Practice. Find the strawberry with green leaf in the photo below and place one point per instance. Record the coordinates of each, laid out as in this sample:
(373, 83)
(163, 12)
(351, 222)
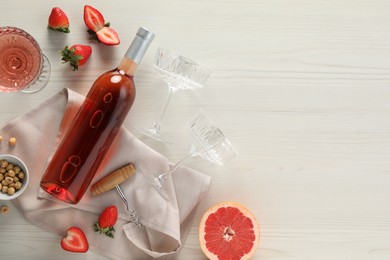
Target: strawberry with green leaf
(77, 55)
(58, 20)
(107, 220)
(98, 28)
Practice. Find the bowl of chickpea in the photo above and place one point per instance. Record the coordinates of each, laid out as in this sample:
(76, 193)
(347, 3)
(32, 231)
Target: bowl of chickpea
(13, 177)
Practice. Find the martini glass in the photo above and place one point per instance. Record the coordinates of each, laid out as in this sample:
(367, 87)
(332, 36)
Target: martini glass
(179, 73)
(207, 141)
(23, 67)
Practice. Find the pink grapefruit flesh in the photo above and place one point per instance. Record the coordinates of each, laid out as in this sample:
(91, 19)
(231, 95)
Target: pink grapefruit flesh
(229, 231)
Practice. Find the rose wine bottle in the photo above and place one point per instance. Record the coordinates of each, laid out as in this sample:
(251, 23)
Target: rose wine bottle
(95, 126)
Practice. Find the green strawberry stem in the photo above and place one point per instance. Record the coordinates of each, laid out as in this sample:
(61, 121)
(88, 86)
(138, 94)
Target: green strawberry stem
(69, 55)
(60, 29)
(108, 231)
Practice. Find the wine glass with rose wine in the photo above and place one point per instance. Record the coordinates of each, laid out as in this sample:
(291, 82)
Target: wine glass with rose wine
(23, 67)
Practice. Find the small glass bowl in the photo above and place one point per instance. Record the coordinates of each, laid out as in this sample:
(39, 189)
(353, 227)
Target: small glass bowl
(17, 162)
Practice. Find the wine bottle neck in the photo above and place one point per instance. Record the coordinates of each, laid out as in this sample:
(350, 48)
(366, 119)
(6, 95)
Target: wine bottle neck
(128, 66)
(136, 51)
(139, 45)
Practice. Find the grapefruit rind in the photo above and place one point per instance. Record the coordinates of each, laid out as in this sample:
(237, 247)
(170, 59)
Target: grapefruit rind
(228, 232)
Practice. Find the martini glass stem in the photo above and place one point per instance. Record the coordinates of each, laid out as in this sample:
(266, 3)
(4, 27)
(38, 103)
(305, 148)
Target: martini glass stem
(158, 122)
(162, 177)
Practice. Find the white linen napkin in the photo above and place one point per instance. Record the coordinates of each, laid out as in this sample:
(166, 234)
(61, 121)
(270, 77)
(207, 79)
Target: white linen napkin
(165, 223)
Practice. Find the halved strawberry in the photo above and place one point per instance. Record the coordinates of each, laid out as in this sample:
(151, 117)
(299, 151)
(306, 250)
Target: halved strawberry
(108, 36)
(98, 28)
(75, 241)
(58, 20)
(107, 220)
(93, 19)
(77, 55)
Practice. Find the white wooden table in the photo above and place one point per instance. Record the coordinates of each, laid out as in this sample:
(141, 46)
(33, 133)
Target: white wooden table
(301, 88)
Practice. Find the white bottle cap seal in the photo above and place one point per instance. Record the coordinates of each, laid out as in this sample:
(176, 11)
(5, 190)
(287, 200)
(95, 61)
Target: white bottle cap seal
(140, 45)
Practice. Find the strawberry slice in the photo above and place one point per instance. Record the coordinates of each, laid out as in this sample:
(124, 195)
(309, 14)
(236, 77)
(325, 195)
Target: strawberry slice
(98, 28)
(58, 20)
(108, 36)
(75, 241)
(93, 19)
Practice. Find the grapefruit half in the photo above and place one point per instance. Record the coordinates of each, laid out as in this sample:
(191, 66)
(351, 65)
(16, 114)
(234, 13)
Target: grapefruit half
(229, 231)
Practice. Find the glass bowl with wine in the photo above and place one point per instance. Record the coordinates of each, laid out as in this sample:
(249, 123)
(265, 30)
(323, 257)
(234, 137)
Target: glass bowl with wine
(23, 66)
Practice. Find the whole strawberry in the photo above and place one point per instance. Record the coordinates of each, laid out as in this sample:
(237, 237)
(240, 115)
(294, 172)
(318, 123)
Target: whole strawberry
(106, 222)
(58, 20)
(77, 55)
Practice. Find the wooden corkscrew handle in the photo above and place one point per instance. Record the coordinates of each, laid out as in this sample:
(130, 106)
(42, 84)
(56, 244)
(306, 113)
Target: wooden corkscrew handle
(113, 179)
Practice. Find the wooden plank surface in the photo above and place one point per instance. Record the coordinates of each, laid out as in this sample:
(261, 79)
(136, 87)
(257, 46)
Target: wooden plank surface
(301, 88)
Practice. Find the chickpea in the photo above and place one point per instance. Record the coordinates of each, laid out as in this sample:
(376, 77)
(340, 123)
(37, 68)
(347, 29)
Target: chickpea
(9, 180)
(1, 177)
(18, 185)
(4, 189)
(1, 138)
(12, 141)
(17, 169)
(16, 179)
(10, 166)
(1, 186)
(11, 173)
(4, 210)
(21, 175)
(3, 164)
(11, 191)
(4, 182)
(2, 170)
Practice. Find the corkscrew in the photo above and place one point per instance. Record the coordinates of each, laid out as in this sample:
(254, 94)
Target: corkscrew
(113, 180)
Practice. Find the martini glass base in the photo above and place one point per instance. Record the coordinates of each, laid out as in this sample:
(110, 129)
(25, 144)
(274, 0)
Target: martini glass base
(43, 79)
(157, 183)
(153, 133)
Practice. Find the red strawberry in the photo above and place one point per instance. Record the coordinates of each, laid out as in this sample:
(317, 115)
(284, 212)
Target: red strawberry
(77, 55)
(107, 220)
(93, 18)
(97, 27)
(75, 241)
(58, 20)
(108, 36)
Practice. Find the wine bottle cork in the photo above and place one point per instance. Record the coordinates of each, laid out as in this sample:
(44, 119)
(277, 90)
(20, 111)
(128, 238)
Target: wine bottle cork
(113, 179)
